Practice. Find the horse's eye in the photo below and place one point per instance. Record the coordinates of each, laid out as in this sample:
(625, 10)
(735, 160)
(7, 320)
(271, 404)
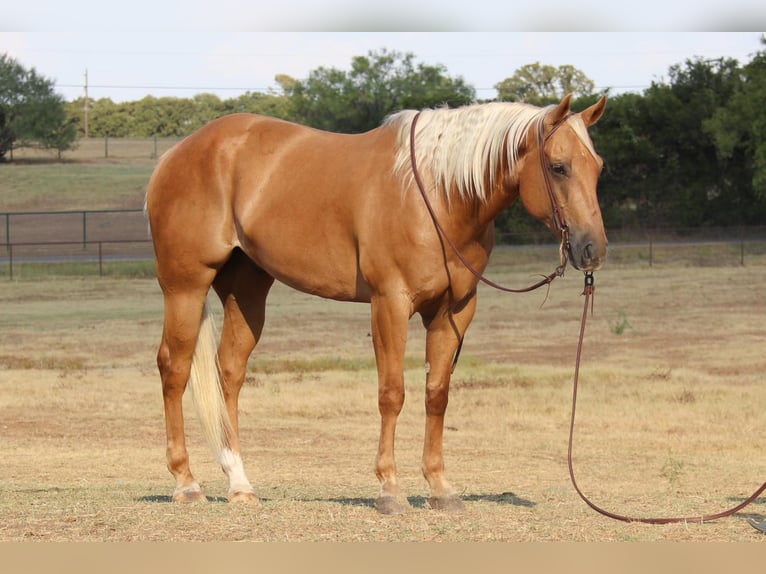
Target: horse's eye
(559, 169)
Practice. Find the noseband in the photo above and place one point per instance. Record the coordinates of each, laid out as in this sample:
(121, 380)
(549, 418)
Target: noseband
(557, 213)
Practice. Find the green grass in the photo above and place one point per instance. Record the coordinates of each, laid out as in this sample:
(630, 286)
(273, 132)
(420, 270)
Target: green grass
(38, 271)
(621, 324)
(67, 186)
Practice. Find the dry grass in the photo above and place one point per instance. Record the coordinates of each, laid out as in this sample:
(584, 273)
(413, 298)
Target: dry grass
(670, 419)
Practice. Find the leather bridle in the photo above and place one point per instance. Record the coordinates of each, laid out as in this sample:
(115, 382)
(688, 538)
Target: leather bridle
(557, 214)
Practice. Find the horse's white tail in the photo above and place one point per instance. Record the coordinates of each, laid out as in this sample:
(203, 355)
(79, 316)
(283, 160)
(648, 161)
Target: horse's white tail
(205, 386)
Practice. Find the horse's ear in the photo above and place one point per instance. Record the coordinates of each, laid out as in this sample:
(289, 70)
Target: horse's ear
(592, 114)
(555, 115)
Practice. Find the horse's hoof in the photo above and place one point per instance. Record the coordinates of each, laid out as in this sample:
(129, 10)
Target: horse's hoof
(760, 526)
(246, 497)
(451, 503)
(191, 494)
(392, 505)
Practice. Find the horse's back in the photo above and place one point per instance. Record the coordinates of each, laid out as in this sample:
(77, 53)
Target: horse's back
(295, 199)
(228, 161)
(240, 151)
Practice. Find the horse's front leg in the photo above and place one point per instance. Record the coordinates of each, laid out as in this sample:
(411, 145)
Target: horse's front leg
(445, 332)
(390, 317)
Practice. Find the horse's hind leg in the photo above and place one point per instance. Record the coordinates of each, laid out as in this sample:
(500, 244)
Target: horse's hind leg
(183, 315)
(242, 288)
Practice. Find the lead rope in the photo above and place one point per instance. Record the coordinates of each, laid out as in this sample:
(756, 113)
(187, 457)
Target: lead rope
(589, 296)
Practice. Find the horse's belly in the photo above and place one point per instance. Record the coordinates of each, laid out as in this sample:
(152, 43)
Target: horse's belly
(305, 233)
(310, 266)
(324, 284)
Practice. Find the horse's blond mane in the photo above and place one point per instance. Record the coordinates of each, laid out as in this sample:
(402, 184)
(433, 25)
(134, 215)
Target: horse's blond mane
(463, 148)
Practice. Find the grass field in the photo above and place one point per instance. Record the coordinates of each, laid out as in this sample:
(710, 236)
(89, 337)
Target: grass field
(670, 418)
(58, 187)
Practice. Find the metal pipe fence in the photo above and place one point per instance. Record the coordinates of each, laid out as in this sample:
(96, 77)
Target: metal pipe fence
(73, 225)
(75, 258)
(97, 148)
(90, 242)
(657, 246)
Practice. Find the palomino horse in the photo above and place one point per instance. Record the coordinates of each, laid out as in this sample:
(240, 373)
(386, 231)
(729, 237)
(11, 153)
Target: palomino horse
(248, 199)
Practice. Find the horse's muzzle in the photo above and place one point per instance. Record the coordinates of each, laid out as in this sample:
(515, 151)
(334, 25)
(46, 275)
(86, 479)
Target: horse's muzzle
(587, 254)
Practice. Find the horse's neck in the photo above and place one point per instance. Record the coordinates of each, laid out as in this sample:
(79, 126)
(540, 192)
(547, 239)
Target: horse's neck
(472, 220)
(501, 198)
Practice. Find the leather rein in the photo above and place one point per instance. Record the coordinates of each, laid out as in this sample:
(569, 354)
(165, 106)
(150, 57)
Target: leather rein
(588, 291)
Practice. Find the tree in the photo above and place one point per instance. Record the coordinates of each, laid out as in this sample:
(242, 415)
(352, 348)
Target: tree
(6, 133)
(691, 187)
(107, 118)
(661, 164)
(543, 84)
(168, 116)
(31, 114)
(269, 104)
(377, 85)
(739, 132)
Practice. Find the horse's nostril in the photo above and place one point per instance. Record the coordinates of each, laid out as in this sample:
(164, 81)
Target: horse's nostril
(588, 252)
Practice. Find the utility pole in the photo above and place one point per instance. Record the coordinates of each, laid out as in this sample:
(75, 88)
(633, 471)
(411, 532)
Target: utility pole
(85, 108)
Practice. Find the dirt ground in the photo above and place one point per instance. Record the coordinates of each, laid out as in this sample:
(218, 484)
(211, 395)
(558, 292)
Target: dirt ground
(670, 419)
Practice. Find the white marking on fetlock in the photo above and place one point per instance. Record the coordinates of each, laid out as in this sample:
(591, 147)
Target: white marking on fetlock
(235, 470)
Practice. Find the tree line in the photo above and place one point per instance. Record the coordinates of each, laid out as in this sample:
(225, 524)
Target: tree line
(689, 151)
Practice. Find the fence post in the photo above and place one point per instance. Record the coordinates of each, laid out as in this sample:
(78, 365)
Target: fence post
(154, 152)
(742, 247)
(7, 230)
(106, 146)
(742, 252)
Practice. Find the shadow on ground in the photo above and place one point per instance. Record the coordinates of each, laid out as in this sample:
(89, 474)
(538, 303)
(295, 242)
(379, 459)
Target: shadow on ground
(506, 498)
(163, 499)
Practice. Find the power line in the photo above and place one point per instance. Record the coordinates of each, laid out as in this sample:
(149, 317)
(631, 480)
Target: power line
(262, 89)
(137, 87)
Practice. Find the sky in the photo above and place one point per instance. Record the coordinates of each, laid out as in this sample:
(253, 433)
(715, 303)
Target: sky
(155, 48)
